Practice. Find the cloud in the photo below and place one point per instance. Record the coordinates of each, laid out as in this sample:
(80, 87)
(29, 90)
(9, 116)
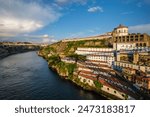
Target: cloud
(7, 35)
(95, 9)
(143, 28)
(64, 2)
(38, 38)
(18, 16)
(48, 39)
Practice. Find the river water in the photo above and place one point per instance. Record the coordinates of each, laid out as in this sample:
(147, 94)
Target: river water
(26, 76)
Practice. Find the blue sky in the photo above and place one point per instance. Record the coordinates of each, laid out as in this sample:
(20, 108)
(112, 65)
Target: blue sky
(51, 20)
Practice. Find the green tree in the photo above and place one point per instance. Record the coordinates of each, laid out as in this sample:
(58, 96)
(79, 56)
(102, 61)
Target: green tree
(77, 57)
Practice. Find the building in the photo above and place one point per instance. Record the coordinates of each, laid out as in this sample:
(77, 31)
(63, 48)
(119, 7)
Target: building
(98, 54)
(129, 58)
(131, 42)
(120, 31)
(88, 73)
(99, 37)
(143, 83)
(68, 60)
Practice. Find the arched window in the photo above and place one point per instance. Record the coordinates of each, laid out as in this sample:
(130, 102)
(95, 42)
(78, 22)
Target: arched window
(140, 44)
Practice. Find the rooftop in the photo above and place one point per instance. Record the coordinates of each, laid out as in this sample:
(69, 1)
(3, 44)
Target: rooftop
(122, 26)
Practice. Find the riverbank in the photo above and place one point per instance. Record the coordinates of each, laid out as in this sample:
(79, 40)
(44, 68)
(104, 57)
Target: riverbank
(78, 82)
(86, 87)
(7, 50)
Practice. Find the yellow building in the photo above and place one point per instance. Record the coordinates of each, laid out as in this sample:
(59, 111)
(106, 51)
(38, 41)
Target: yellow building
(131, 41)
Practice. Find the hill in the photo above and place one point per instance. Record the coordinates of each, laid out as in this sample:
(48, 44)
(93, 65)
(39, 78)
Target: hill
(66, 48)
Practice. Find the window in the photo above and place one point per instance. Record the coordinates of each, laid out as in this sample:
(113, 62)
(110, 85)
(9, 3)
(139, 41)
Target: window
(141, 35)
(141, 44)
(131, 39)
(136, 39)
(122, 95)
(141, 39)
(115, 92)
(107, 88)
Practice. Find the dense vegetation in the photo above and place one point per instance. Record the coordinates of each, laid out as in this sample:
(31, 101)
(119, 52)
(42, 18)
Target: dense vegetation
(54, 52)
(66, 48)
(65, 69)
(98, 84)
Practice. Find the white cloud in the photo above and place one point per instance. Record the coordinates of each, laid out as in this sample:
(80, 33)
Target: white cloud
(53, 40)
(7, 35)
(63, 2)
(17, 16)
(95, 9)
(143, 28)
(45, 36)
(48, 39)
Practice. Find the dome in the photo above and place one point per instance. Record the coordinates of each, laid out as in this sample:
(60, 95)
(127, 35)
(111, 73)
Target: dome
(122, 26)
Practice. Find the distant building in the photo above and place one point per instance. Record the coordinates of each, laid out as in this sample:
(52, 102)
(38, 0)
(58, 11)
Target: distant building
(99, 37)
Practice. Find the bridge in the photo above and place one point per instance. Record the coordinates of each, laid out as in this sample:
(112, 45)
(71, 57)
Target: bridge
(9, 48)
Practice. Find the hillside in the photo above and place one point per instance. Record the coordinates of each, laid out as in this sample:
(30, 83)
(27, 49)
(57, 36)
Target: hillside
(67, 48)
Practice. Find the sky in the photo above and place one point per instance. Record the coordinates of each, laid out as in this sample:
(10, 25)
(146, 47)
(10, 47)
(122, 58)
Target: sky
(45, 21)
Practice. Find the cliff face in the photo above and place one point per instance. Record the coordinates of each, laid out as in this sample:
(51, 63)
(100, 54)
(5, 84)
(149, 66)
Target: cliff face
(6, 50)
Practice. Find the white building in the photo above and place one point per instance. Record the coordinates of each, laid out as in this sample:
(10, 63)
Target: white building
(101, 58)
(98, 54)
(120, 31)
(96, 51)
(124, 46)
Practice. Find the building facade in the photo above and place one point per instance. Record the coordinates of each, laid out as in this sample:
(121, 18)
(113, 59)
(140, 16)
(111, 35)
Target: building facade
(98, 54)
(120, 31)
(131, 42)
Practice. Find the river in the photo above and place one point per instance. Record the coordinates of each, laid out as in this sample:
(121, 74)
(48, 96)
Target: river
(26, 76)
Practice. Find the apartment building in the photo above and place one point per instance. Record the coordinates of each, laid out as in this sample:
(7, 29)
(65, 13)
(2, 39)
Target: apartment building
(98, 54)
(88, 73)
